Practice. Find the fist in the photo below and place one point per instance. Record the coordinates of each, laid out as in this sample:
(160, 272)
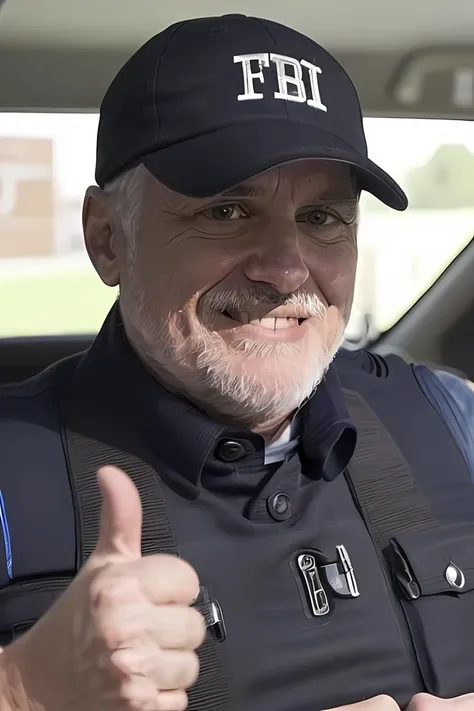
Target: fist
(123, 636)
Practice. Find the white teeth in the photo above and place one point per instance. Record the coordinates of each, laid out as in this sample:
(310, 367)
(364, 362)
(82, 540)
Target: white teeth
(272, 323)
(275, 323)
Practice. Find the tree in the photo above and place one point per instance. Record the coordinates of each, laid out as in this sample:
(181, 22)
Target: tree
(445, 182)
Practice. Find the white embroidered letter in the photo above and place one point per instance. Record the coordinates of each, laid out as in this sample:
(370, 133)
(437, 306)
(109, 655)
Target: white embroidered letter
(288, 81)
(314, 71)
(250, 76)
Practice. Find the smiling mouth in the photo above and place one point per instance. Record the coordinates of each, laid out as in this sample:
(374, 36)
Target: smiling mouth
(271, 323)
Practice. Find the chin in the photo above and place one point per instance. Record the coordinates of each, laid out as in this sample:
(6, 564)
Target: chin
(252, 382)
(244, 380)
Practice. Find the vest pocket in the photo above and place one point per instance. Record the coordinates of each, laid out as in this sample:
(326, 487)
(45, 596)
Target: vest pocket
(22, 603)
(434, 576)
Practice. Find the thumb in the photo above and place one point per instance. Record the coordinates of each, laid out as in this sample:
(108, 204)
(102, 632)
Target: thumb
(121, 516)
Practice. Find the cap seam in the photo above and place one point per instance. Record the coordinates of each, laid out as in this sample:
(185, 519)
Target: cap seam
(353, 88)
(331, 55)
(155, 75)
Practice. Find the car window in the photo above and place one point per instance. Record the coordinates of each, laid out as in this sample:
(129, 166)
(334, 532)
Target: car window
(48, 287)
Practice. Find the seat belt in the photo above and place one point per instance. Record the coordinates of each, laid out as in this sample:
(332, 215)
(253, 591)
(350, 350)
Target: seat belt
(390, 500)
(88, 452)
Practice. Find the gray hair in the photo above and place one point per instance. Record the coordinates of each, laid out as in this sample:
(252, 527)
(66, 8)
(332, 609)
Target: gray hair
(126, 192)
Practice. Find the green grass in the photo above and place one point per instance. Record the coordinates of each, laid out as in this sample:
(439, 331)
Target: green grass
(68, 302)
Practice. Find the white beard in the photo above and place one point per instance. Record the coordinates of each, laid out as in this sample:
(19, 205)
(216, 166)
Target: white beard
(248, 382)
(232, 382)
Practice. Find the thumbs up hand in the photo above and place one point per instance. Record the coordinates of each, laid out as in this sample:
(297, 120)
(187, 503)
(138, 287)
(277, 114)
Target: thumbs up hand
(123, 635)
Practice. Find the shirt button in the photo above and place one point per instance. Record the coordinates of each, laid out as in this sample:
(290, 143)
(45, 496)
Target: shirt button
(454, 576)
(279, 506)
(230, 450)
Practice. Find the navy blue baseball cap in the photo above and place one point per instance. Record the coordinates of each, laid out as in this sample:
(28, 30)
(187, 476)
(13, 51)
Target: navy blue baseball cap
(211, 102)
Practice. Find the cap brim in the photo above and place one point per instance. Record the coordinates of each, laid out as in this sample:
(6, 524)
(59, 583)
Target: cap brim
(212, 163)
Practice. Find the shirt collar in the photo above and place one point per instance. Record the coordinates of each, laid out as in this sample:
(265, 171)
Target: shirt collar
(328, 435)
(185, 438)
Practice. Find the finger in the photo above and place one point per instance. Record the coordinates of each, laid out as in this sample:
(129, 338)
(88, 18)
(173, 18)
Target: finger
(137, 692)
(169, 670)
(175, 670)
(166, 579)
(141, 693)
(167, 626)
(172, 701)
(121, 515)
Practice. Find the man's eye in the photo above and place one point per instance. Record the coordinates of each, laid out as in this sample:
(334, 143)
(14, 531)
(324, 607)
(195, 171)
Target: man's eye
(225, 213)
(320, 218)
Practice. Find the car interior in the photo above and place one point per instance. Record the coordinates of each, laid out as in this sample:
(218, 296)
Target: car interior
(413, 66)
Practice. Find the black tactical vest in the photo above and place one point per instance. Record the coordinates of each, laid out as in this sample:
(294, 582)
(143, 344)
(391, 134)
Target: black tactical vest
(407, 481)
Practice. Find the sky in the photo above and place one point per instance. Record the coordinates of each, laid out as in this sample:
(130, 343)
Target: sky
(395, 144)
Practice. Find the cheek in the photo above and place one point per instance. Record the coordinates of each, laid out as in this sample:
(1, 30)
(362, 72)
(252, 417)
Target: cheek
(334, 274)
(190, 271)
(165, 280)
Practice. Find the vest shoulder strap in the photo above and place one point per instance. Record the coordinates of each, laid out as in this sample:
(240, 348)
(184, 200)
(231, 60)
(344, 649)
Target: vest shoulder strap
(91, 434)
(390, 499)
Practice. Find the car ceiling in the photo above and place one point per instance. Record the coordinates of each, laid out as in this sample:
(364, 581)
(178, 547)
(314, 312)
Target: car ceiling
(60, 55)
(121, 24)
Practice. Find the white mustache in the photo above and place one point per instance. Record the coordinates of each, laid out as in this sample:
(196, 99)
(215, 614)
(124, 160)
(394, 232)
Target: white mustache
(303, 304)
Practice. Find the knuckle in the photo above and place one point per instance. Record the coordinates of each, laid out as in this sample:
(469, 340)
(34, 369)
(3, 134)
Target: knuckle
(172, 701)
(196, 628)
(139, 693)
(180, 628)
(179, 670)
(109, 632)
(125, 661)
(116, 627)
(109, 591)
(184, 576)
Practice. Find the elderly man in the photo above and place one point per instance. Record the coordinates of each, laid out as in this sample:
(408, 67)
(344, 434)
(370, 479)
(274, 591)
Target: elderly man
(303, 521)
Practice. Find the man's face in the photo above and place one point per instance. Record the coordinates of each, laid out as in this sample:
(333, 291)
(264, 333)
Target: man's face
(240, 301)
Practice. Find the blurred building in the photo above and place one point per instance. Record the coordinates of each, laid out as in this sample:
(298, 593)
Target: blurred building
(26, 197)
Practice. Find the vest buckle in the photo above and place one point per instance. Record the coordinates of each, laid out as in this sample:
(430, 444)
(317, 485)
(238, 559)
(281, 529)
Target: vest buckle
(402, 572)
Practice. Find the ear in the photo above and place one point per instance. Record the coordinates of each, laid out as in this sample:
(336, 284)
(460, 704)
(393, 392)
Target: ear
(100, 235)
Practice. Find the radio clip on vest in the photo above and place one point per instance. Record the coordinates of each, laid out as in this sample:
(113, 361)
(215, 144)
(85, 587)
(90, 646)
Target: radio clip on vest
(210, 609)
(319, 576)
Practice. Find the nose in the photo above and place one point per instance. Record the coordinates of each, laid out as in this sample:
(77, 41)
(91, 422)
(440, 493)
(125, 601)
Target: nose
(277, 260)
